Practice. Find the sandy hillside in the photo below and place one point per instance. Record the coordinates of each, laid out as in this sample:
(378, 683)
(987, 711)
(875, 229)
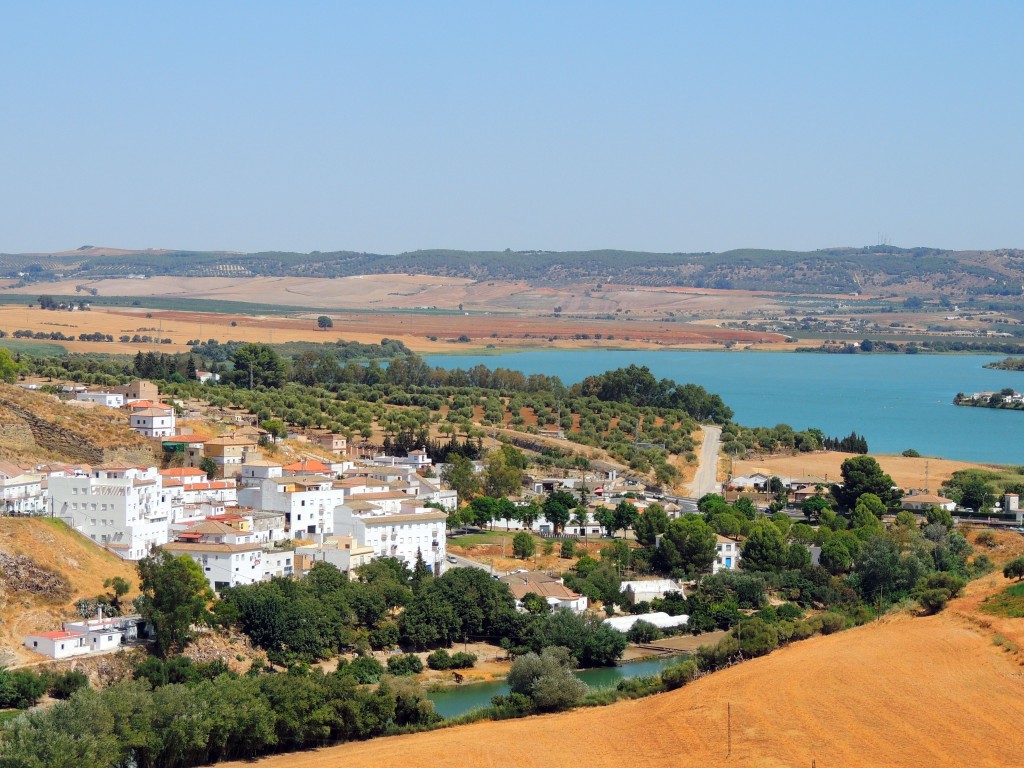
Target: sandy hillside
(906, 472)
(78, 563)
(902, 692)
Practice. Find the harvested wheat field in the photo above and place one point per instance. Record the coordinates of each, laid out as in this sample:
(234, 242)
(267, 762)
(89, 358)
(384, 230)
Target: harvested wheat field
(901, 692)
(905, 471)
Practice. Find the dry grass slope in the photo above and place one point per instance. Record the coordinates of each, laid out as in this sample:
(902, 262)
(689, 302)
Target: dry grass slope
(904, 691)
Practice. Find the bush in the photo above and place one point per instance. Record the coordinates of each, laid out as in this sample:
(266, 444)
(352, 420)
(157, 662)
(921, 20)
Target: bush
(440, 659)
(365, 669)
(523, 545)
(933, 600)
(513, 705)
(642, 632)
(679, 675)
(62, 686)
(547, 679)
(1014, 569)
(831, 622)
(384, 636)
(462, 660)
(405, 664)
(568, 549)
(789, 612)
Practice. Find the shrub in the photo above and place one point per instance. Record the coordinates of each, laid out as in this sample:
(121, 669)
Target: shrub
(568, 549)
(679, 675)
(986, 539)
(462, 660)
(789, 612)
(405, 664)
(365, 669)
(523, 545)
(547, 679)
(933, 600)
(643, 632)
(62, 686)
(831, 622)
(384, 636)
(439, 659)
(513, 705)
(1014, 569)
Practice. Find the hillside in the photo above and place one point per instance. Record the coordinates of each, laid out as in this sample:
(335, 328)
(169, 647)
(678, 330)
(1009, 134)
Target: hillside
(44, 568)
(904, 691)
(38, 427)
(877, 269)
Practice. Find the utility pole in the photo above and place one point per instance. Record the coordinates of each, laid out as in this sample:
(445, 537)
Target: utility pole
(729, 710)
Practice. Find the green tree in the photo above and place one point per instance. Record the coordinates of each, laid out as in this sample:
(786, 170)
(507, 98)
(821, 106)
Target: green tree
(863, 474)
(689, 546)
(652, 523)
(870, 503)
(523, 545)
(568, 549)
(258, 365)
(175, 596)
(547, 679)
(324, 322)
(9, 368)
(460, 476)
(119, 587)
(276, 427)
(765, 548)
(209, 466)
(503, 472)
(835, 557)
(813, 507)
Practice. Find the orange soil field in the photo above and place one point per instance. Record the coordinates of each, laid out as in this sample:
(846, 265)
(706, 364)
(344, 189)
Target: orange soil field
(414, 330)
(901, 692)
(906, 472)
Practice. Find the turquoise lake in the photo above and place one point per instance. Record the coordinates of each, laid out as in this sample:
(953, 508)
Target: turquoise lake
(896, 401)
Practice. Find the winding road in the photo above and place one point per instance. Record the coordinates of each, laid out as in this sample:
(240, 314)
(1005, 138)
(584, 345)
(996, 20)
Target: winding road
(706, 479)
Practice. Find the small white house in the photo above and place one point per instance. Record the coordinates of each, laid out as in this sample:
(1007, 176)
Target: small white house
(727, 555)
(153, 422)
(59, 645)
(108, 399)
(922, 502)
(659, 619)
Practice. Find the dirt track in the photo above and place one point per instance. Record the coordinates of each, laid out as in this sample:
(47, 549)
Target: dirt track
(902, 692)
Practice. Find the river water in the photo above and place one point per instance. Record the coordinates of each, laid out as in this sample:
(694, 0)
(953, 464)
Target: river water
(459, 699)
(896, 401)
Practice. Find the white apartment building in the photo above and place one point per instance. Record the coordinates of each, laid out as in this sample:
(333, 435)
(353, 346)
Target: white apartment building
(414, 528)
(230, 557)
(153, 422)
(256, 471)
(343, 552)
(125, 509)
(21, 493)
(307, 502)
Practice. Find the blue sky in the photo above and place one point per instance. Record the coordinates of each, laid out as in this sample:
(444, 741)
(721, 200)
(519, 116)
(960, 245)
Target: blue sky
(385, 126)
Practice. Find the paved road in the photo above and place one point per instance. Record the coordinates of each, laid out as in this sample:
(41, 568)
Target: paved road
(706, 479)
(465, 562)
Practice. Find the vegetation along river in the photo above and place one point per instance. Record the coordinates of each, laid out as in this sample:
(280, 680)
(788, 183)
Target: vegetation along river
(457, 700)
(896, 401)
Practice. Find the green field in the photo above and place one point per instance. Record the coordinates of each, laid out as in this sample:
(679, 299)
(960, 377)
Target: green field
(34, 348)
(1009, 603)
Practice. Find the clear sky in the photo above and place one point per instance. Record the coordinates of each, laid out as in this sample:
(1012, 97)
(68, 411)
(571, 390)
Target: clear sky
(382, 126)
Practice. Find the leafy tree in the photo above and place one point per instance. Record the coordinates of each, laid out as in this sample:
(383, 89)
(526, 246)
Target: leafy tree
(276, 427)
(209, 466)
(405, 664)
(835, 557)
(324, 322)
(869, 502)
(605, 517)
(547, 679)
(119, 586)
(535, 604)
(503, 472)
(258, 365)
(814, 506)
(567, 549)
(649, 525)
(939, 516)
(689, 545)
(1014, 569)
(557, 509)
(175, 595)
(862, 474)
(9, 367)
(523, 545)
(764, 549)
(460, 476)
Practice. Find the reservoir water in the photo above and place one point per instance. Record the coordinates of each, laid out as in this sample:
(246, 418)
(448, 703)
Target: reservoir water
(457, 700)
(896, 401)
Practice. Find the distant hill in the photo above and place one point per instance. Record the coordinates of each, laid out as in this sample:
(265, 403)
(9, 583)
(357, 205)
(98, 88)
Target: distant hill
(875, 270)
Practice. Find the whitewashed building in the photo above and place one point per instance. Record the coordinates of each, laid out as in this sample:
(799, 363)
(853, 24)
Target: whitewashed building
(108, 399)
(125, 509)
(727, 555)
(412, 529)
(308, 502)
(153, 422)
(230, 557)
